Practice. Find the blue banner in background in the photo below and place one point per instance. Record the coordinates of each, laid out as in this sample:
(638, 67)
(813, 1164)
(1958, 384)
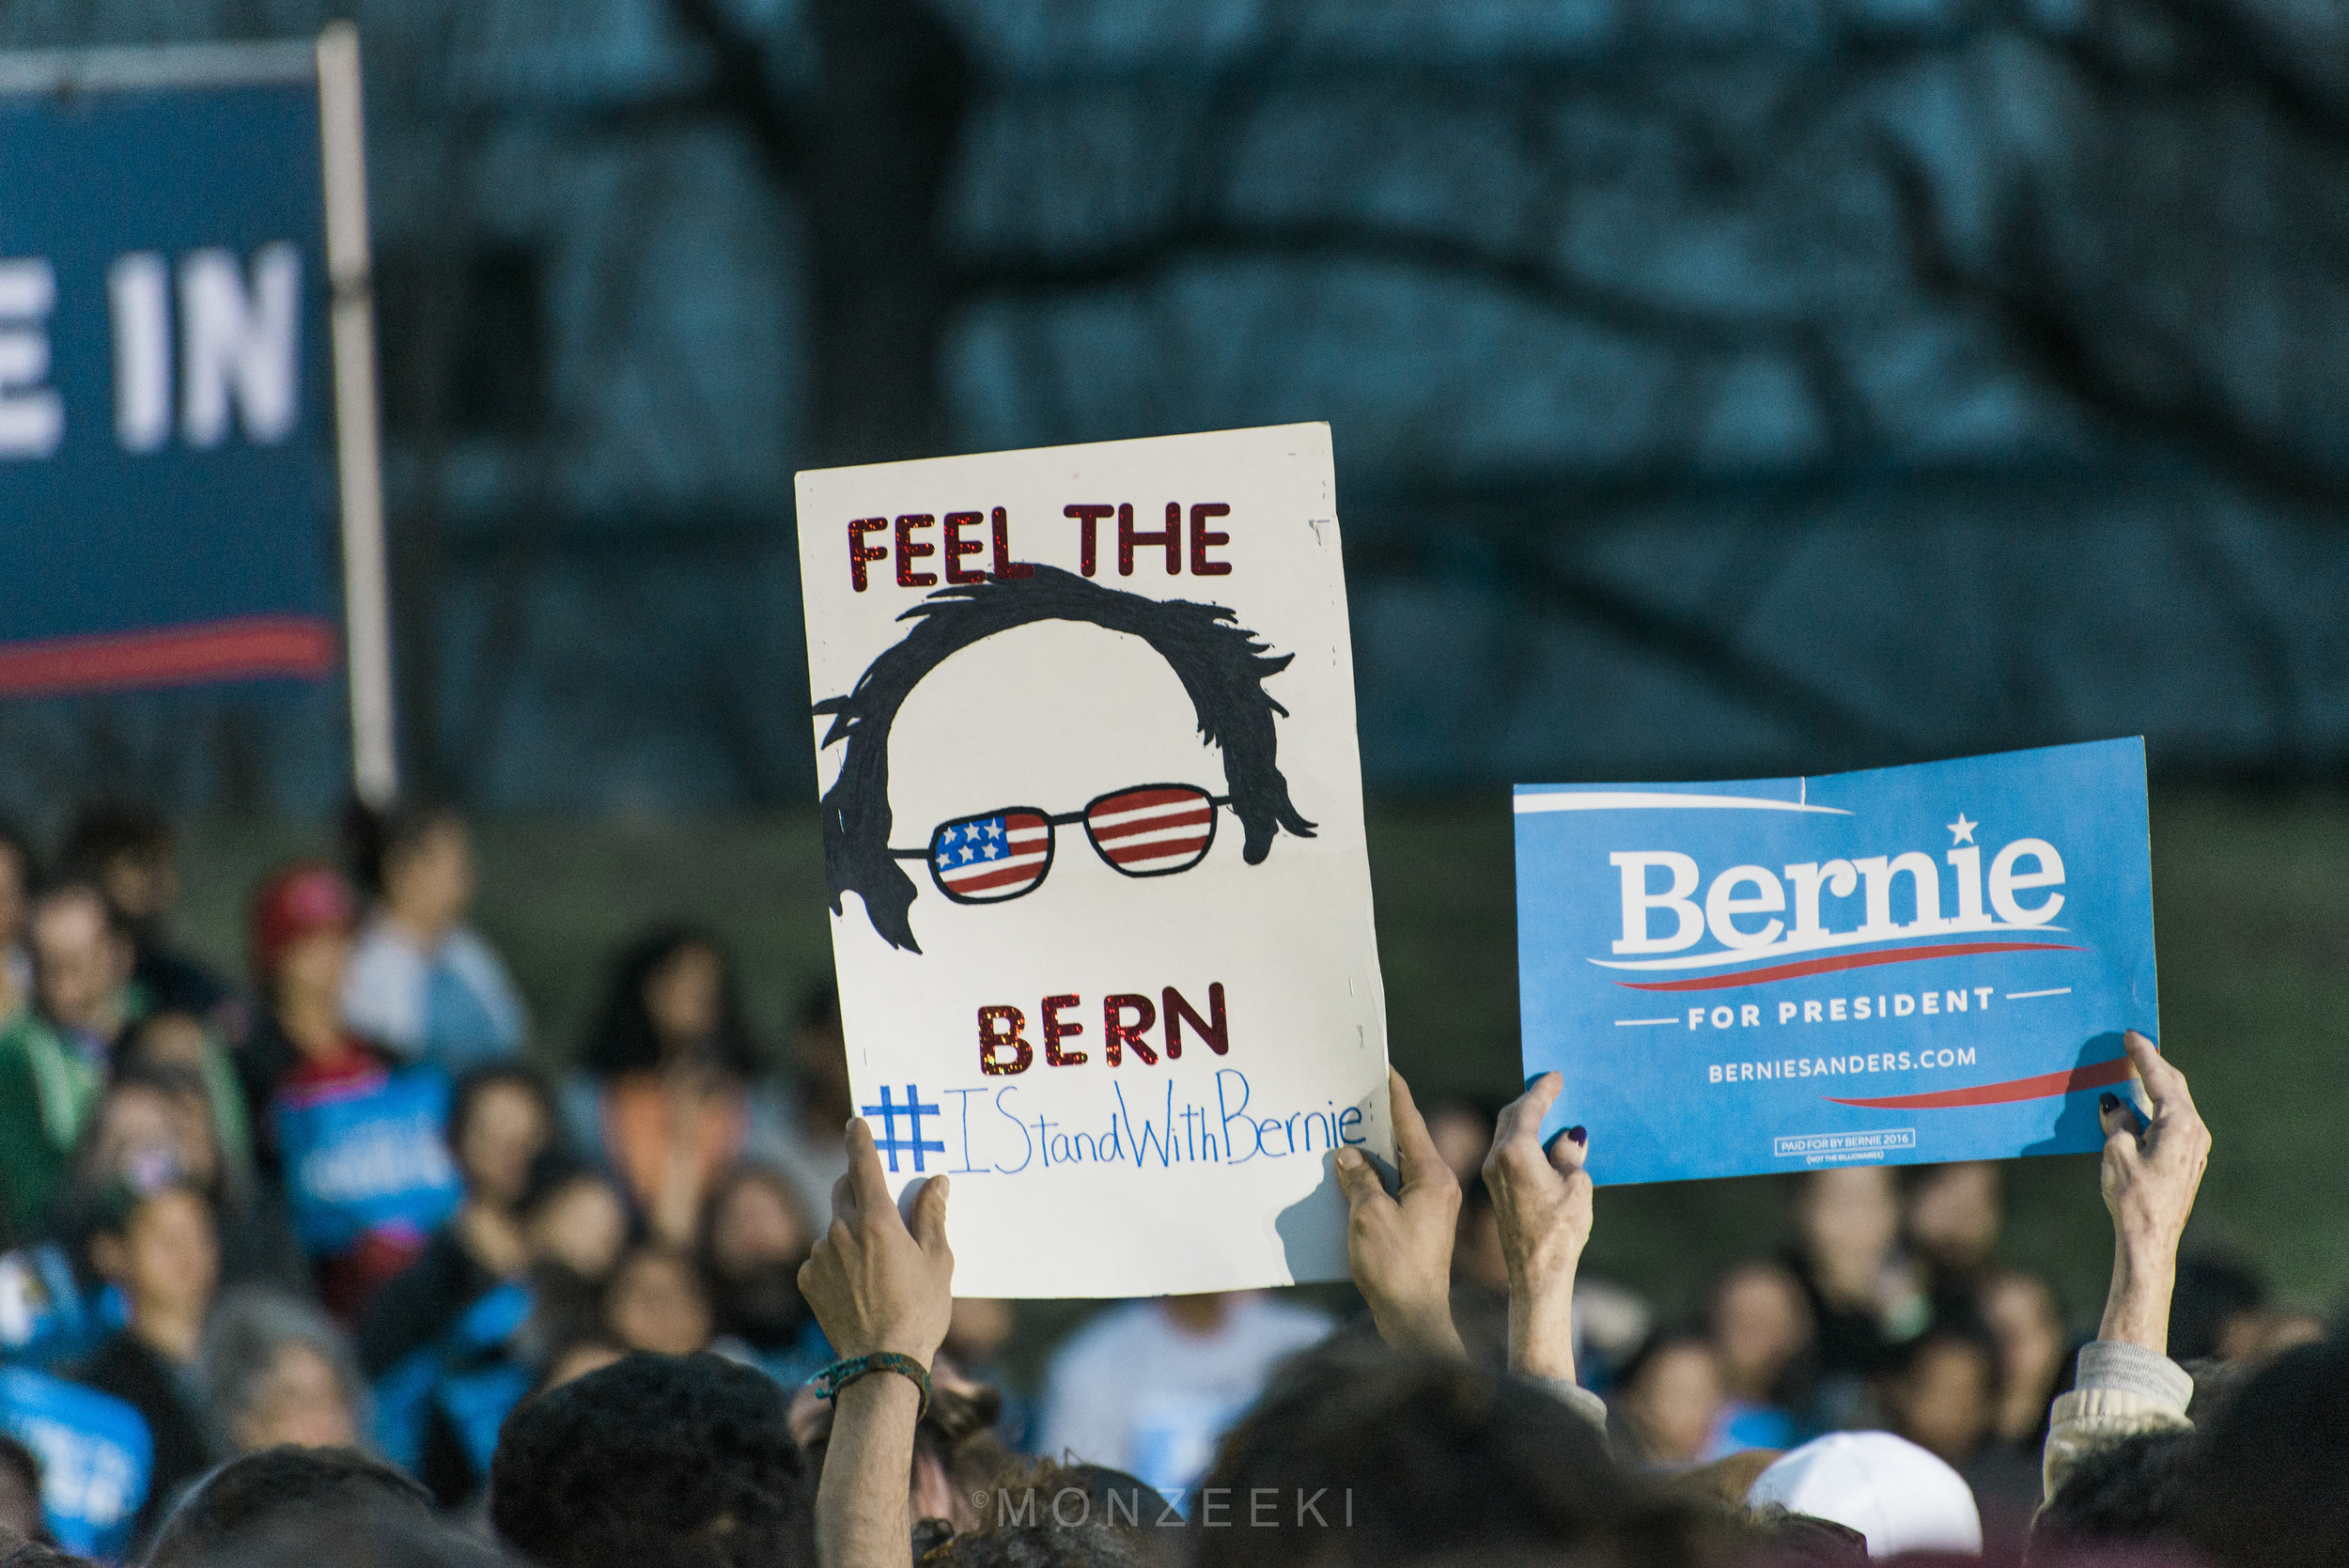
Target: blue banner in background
(366, 1155)
(168, 500)
(96, 1458)
(1908, 966)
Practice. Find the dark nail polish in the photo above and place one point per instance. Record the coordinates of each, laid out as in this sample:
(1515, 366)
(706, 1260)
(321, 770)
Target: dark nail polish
(1579, 1135)
(2108, 1103)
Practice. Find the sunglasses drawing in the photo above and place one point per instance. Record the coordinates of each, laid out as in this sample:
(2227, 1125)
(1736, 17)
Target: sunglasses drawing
(1143, 830)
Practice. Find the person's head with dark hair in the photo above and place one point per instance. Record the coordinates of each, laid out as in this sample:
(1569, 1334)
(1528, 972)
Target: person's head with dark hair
(249, 1497)
(657, 1300)
(153, 1124)
(673, 1001)
(129, 853)
(687, 1462)
(1783, 1540)
(2129, 1490)
(572, 1214)
(1951, 1214)
(2216, 1307)
(299, 926)
(1669, 1396)
(1439, 1459)
(1763, 1326)
(82, 959)
(753, 1235)
(500, 1118)
(2268, 1486)
(168, 1037)
(374, 1536)
(20, 1492)
(1222, 668)
(161, 1247)
(1941, 1390)
(574, 1226)
(1050, 1515)
(415, 860)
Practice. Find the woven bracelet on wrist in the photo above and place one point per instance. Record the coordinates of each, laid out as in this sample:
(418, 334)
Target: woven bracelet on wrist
(829, 1382)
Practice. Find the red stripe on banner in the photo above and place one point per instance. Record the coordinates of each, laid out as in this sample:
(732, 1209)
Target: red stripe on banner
(1842, 961)
(244, 648)
(2096, 1074)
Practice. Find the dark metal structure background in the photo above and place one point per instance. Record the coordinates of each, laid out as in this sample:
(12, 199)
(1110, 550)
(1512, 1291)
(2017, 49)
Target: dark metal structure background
(1717, 389)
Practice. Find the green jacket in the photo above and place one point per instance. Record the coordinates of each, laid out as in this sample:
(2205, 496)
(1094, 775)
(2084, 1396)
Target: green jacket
(47, 1093)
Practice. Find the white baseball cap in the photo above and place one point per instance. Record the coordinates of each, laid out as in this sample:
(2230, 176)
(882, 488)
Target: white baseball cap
(1901, 1496)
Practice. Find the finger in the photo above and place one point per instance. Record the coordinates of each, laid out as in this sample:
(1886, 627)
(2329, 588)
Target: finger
(1358, 1181)
(845, 1203)
(1522, 1116)
(1569, 1151)
(1414, 1150)
(929, 1216)
(865, 1170)
(2165, 1086)
(2120, 1125)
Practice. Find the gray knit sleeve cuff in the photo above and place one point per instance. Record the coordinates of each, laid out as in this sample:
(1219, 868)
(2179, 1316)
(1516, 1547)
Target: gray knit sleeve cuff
(1575, 1397)
(2133, 1369)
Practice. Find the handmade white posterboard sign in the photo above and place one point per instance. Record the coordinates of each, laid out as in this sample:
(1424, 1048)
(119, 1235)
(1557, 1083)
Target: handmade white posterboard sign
(1092, 826)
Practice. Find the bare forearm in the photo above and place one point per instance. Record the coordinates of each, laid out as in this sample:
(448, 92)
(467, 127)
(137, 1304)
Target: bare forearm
(860, 1511)
(1541, 1326)
(2136, 1307)
(1422, 1326)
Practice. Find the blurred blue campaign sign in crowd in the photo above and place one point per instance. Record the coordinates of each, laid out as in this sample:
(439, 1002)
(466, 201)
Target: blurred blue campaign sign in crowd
(1716, 390)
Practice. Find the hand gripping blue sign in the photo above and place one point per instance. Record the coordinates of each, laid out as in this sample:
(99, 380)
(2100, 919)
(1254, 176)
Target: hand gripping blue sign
(1903, 966)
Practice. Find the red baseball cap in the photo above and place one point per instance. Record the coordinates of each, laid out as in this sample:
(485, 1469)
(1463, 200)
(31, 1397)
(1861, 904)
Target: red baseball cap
(296, 900)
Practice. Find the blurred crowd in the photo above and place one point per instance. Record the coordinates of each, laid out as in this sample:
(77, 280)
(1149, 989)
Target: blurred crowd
(332, 1203)
(328, 1202)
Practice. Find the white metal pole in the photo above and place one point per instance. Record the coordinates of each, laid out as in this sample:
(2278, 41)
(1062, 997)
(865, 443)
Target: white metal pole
(367, 608)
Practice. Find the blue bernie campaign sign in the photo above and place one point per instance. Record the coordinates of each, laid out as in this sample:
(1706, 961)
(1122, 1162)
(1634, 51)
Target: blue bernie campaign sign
(1903, 966)
(366, 1156)
(96, 1458)
(167, 471)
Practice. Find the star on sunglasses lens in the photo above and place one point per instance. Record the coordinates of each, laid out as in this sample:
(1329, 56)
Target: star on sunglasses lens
(980, 860)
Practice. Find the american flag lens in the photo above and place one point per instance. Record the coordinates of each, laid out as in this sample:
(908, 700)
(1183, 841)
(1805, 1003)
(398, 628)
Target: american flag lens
(1153, 831)
(980, 860)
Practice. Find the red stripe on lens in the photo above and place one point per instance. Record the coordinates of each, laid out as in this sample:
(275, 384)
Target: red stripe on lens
(993, 881)
(1165, 850)
(1156, 822)
(1135, 799)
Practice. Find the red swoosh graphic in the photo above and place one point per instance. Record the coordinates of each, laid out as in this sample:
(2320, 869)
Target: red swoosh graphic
(242, 648)
(1842, 961)
(2094, 1076)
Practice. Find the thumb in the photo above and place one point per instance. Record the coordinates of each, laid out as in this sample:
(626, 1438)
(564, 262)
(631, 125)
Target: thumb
(1356, 1179)
(929, 1214)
